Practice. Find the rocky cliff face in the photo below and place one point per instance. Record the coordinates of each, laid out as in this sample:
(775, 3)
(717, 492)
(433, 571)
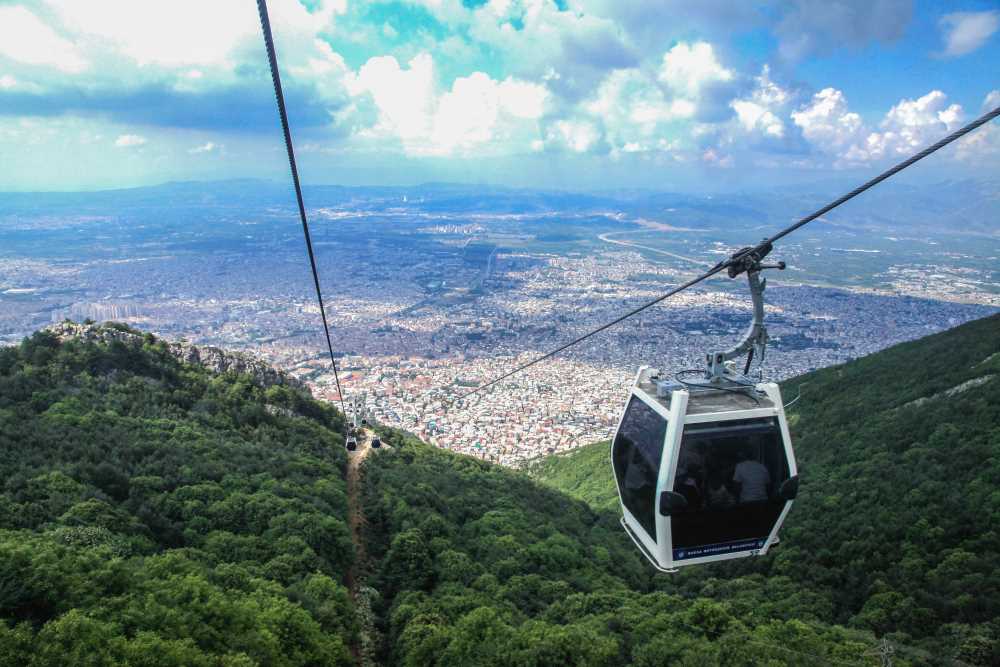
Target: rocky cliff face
(212, 358)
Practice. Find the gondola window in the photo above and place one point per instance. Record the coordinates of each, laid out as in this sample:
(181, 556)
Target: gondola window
(637, 452)
(730, 474)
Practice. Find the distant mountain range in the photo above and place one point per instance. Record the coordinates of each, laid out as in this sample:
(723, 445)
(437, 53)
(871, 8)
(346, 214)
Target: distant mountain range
(967, 206)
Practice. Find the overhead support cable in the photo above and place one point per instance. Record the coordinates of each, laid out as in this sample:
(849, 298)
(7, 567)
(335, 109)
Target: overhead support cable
(272, 57)
(738, 261)
(680, 288)
(889, 173)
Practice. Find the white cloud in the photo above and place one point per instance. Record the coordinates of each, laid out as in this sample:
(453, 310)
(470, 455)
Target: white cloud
(207, 147)
(633, 110)
(466, 114)
(25, 38)
(189, 32)
(693, 73)
(404, 97)
(756, 118)
(322, 63)
(478, 110)
(828, 124)
(964, 32)
(631, 97)
(983, 143)
(475, 112)
(768, 92)
(757, 113)
(522, 99)
(129, 141)
(578, 136)
(149, 33)
(581, 45)
(688, 68)
(914, 124)
(909, 126)
(126, 52)
(7, 82)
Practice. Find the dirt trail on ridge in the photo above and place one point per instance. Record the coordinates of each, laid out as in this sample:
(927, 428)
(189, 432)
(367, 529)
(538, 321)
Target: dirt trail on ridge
(355, 508)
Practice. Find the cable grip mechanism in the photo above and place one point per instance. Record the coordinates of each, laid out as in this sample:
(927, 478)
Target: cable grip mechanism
(746, 260)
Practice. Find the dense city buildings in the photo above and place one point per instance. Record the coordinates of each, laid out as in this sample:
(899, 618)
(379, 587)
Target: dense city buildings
(425, 306)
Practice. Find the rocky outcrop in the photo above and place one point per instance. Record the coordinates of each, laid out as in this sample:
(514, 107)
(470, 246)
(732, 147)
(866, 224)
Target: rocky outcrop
(213, 358)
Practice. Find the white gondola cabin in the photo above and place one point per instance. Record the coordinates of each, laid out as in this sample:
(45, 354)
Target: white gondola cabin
(704, 474)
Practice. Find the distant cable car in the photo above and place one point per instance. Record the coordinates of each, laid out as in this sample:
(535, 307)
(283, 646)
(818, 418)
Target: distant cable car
(705, 467)
(351, 443)
(376, 442)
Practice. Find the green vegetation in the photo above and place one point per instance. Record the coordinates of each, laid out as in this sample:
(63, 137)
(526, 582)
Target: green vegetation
(896, 526)
(152, 513)
(584, 473)
(479, 565)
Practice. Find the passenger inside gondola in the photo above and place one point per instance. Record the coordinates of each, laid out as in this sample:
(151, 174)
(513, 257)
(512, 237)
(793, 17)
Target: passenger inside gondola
(688, 484)
(718, 494)
(690, 479)
(736, 499)
(751, 477)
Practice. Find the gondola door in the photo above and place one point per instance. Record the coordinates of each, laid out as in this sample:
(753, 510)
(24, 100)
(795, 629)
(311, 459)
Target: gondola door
(737, 478)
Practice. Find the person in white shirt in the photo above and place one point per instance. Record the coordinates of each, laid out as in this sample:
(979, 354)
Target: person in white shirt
(753, 478)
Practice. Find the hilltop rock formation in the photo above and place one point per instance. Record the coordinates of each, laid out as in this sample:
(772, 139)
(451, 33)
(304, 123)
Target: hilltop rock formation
(212, 358)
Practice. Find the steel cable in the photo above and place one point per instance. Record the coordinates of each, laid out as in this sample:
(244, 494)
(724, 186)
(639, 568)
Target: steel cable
(958, 134)
(272, 58)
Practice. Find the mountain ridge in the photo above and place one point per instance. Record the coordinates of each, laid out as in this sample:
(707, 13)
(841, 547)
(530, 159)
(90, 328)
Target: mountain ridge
(903, 207)
(213, 359)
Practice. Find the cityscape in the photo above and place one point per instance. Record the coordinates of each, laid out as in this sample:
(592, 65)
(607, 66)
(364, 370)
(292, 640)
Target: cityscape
(426, 304)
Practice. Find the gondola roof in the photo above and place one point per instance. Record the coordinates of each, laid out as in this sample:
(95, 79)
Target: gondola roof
(704, 400)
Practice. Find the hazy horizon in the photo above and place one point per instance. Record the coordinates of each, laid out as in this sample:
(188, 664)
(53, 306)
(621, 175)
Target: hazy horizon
(831, 184)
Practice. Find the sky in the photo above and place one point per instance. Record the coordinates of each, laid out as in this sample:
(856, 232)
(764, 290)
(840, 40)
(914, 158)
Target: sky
(568, 94)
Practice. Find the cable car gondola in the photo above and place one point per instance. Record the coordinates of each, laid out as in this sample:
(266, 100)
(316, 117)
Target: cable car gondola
(351, 443)
(705, 467)
(376, 442)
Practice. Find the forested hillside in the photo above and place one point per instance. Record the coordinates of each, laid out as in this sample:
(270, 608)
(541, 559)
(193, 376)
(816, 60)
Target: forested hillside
(897, 526)
(152, 513)
(584, 473)
(479, 565)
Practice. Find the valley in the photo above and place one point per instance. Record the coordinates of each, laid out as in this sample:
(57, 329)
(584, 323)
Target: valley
(434, 289)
